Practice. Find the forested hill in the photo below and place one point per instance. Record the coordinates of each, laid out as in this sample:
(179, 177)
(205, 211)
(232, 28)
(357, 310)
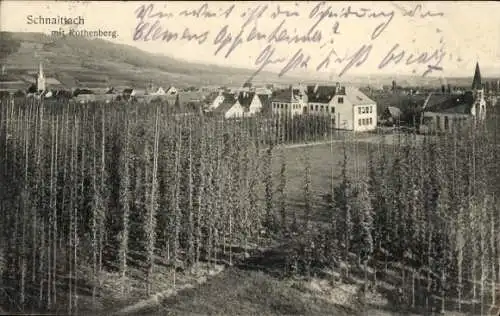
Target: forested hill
(78, 60)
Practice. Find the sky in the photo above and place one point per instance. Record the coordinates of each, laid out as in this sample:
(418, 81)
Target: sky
(448, 41)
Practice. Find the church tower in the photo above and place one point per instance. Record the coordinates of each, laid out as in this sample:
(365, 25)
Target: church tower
(479, 107)
(40, 80)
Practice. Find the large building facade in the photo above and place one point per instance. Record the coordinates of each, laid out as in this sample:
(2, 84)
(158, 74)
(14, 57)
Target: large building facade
(348, 107)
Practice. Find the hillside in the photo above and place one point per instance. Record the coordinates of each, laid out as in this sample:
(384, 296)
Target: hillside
(96, 63)
(99, 63)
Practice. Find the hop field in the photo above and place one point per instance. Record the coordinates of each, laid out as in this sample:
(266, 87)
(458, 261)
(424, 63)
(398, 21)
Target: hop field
(103, 205)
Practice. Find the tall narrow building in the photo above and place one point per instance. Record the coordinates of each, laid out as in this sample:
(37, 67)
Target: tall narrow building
(40, 80)
(479, 108)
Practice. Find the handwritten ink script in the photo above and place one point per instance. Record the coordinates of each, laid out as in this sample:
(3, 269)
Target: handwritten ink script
(292, 36)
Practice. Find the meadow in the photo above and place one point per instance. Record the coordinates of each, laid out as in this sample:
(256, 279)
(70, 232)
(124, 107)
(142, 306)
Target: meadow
(106, 205)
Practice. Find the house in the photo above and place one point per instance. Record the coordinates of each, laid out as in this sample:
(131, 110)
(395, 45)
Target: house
(245, 104)
(354, 110)
(288, 102)
(391, 115)
(111, 90)
(446, 112)
(171, 90)
(320, 100)
(158, 91)
(230, 107)
(130, 94)
(251, 102)
(348, 107)
(214, 100)
(265, 100)
(187, 101)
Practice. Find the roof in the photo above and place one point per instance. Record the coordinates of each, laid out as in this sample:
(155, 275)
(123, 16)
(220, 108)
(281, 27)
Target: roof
(229, 101)
(245, 98)
(394, 111)
(211, 97)
(356, 97)
(320, 94)
(446, 103)
(265, 100)
(111, 90)
(282, 96)
(476, 82)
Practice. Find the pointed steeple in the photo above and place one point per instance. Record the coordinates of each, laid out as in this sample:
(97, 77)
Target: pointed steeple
(40, 70)
(476, 82)
(40, 81)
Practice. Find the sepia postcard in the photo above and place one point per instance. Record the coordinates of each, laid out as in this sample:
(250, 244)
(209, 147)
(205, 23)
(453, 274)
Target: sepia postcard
(249, 158)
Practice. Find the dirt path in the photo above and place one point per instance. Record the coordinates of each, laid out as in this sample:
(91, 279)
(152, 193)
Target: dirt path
(372, 139)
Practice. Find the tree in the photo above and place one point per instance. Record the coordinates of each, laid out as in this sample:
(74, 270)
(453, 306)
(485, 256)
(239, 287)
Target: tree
(343, 196)
(281, 192)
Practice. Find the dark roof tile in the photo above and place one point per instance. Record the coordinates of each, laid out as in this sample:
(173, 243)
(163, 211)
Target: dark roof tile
(445, 103)
(320, 94)
(245, 98)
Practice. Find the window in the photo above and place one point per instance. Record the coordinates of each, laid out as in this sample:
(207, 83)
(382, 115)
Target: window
(321, 108)
(371, 121)
(427, 120)
(359, 110)
(371, 109)
(438, 122)
(446, 123)
(333, 109)
(359, 122)
(281, 105)
(312, 107)
(316, 107)
(341, 100)
(286, 106)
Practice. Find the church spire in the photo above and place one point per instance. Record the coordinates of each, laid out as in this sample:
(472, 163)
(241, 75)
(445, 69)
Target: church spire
(40, 70)
(476, 82)
(40, 81)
